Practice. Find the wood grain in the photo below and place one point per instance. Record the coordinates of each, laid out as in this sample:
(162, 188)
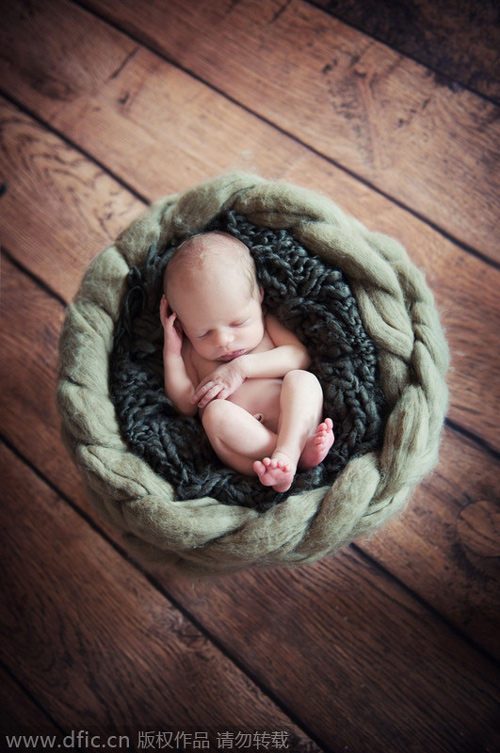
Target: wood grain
(150, 123)
(447, 542)
(354, 636)
(380, 115)
(459, 40)
(19, 714)
(375, 113)
(108, 652)
(48, 183)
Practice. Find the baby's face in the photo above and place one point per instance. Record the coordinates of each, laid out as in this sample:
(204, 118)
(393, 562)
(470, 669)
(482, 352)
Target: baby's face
(221, 316)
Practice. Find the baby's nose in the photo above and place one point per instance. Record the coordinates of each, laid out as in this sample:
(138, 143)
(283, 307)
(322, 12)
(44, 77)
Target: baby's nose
(225, 336)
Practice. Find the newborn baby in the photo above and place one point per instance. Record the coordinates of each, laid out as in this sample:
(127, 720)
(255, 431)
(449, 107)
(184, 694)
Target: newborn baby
(245, 373)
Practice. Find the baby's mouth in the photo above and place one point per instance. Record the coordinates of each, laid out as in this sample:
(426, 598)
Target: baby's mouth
(231, 356)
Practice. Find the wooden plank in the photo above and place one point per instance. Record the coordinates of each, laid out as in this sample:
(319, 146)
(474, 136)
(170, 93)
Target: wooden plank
(374, 112)
(395, 677)
(47, 183)
(445, 580)
(39, 208)
(447, 542)
(459, 40)
(31, 323)
(19, 714)
(149, 122)
(378, 114)
(109, 652)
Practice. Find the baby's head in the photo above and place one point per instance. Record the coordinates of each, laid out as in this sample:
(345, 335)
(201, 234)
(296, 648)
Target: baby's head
(211, 284)
(207, 254)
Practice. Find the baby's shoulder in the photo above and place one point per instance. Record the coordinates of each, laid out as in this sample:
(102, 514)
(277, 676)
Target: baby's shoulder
(270, 321)
(279, 333)
(273, 325)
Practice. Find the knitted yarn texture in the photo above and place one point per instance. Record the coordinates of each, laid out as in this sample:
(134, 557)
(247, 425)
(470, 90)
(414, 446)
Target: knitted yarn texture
(203, 535)
(310, 298)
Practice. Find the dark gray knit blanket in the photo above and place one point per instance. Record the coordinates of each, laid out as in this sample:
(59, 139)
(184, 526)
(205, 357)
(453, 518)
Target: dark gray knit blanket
(310, 298)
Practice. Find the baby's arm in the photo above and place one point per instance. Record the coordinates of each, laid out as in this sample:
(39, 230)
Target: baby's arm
(178, 385)
(288, 354)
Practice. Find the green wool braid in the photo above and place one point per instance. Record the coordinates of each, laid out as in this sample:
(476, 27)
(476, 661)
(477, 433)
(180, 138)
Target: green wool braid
(397, 322)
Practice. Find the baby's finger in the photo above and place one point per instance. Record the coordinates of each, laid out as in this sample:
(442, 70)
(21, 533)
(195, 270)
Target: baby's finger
(207, 396)
(177, 324)
(200, 391)
(210, 392)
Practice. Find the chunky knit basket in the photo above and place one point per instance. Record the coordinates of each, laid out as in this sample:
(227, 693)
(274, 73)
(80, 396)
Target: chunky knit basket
(204, 535)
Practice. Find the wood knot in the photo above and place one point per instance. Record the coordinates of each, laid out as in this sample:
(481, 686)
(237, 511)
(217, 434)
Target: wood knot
(478, 530)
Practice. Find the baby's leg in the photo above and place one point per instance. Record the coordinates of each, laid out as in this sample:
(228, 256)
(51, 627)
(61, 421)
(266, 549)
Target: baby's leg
(301, 438)
(236, 436)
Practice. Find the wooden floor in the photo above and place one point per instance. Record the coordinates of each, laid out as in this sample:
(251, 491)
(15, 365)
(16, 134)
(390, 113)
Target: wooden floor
(393, 110)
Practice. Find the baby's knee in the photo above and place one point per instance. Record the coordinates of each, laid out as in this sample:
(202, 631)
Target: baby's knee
(214, 416)
(304, 380)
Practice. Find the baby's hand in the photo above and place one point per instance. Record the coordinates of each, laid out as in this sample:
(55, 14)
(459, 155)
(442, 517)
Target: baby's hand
(219, 384)
(172, 330)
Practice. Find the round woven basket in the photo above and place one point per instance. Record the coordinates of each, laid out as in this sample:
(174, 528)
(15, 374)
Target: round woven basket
(204, 536)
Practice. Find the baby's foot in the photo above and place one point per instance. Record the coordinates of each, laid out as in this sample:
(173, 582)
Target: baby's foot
(277, 472)
(317, 446)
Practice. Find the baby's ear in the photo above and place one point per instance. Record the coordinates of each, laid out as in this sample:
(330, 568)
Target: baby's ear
(163, 310)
